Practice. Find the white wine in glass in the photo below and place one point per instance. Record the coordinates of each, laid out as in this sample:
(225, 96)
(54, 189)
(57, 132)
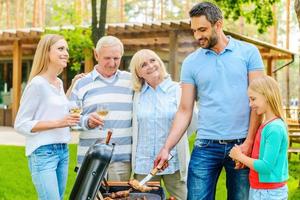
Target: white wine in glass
(75, 111)
(75, 108)
(102, 111)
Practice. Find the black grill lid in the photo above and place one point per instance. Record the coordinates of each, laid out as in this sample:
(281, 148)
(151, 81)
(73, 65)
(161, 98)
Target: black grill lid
(92, 171)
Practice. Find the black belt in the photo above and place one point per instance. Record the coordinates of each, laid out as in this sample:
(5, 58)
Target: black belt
(228, 141)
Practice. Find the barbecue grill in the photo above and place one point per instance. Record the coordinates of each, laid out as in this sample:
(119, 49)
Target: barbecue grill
(92, 172)
(121, 186)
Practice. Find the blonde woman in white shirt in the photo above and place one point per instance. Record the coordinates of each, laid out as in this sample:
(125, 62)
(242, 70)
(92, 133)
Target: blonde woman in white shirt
(44, 119)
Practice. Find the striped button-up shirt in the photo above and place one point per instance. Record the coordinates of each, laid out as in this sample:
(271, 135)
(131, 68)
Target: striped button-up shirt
(155, 113)
(117, 93)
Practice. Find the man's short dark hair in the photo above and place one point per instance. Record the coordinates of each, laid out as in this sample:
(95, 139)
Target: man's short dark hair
(209, 10)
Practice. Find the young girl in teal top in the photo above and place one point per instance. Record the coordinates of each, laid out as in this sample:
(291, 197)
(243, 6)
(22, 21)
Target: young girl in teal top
(268, 162)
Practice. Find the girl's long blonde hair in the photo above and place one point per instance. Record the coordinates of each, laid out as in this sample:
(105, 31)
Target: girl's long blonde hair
(41, 56)
(269, 88)
(136, 62)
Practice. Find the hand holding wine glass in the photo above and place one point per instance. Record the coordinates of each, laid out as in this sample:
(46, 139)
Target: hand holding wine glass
(75, 109)
(102, 111)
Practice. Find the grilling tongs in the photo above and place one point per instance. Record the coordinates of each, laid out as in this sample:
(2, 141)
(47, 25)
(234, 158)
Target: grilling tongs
(154, 171)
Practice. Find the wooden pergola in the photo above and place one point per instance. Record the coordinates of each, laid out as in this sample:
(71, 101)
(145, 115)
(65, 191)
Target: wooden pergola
(14, 45)
(173, 41)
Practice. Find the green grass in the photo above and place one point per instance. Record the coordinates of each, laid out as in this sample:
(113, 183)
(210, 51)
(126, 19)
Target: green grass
(15, 180)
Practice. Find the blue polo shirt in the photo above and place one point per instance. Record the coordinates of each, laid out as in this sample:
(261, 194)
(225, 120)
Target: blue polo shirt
(222, 81)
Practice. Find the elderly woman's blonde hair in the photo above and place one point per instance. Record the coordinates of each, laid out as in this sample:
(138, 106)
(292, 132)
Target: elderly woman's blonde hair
(136, 63)
(108, 41)
(41, 56)
(269, 88)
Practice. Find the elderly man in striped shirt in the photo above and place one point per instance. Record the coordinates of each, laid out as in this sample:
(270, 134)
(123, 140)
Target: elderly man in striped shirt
(106, 84)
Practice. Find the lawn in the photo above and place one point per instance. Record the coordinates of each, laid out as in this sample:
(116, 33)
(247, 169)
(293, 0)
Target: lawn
(15, 180)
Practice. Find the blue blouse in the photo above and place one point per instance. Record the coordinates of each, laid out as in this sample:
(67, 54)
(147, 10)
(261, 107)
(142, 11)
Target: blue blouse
(155, 113)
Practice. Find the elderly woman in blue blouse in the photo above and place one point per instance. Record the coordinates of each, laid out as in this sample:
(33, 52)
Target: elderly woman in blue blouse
(155, 103)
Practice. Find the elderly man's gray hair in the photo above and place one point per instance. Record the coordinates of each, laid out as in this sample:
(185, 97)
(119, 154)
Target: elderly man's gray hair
(108, 41)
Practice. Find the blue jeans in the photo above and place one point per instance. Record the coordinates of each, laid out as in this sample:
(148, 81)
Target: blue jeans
(207, 160)
(269, 194)
(48, 165)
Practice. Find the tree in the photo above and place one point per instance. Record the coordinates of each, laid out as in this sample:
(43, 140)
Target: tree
(254, 11)
(98, 30)
(258, 12)
(297, 10)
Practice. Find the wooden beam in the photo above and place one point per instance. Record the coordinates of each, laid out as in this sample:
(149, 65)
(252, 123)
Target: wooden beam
(264, 50)
(17, 77)
(139, 35)
(7, 55)
(19, 14)
(8, 58)
(1, 10)
(24, 47)
(64, 77)
(274, 27)
(298, 86)
(163, 53)
(139, 28)
(7, 14)
(276, 56)
(161, 9)
(122, 10)
(43, 13)
(88, 60)
(28, 69)
(35, 13)
(287, 94)
(288, 2)
(173, 64)
(5, 72)
(269, 66)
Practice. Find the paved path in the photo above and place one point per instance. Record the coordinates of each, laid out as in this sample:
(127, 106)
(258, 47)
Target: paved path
(8, 136)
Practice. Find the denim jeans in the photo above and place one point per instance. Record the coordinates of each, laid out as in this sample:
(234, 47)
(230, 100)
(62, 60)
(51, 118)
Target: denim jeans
(207, 160)
(48, 165)
(269, 194)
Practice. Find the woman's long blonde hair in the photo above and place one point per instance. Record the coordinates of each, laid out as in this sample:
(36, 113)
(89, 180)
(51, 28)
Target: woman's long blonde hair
(269, 88)
(135, 64)
(41, 56)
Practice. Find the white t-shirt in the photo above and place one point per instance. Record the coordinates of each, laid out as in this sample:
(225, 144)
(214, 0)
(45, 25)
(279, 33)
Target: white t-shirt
(41, 101)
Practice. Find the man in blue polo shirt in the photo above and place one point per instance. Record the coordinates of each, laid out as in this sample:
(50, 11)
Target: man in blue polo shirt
(217, 76)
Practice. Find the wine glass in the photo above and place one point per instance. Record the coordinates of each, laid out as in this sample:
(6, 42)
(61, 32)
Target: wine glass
(102, 111)
(75, 107)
